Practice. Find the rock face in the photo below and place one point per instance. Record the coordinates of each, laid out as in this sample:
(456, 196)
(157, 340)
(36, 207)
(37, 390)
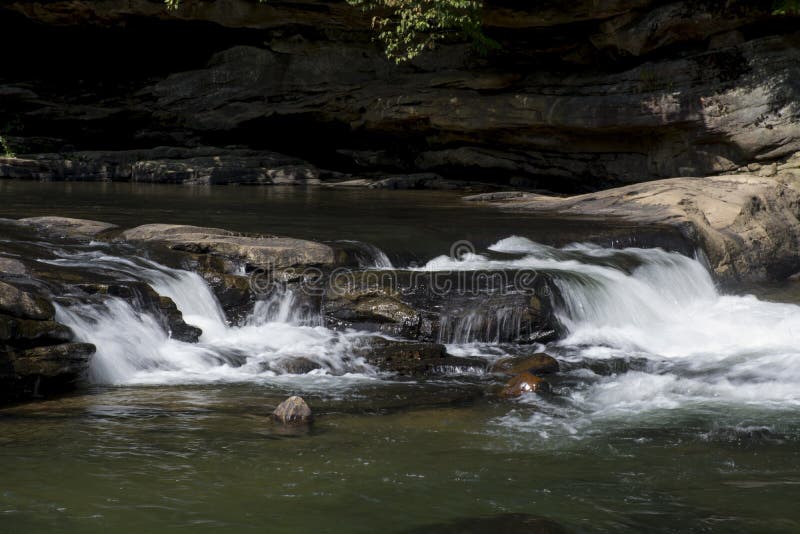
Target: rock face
(747, 225)
(582, 94)
(198, 166)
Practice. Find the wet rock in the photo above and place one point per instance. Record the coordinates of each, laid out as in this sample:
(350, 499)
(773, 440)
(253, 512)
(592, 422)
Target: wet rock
(68, 227)
(234, 294)
(18, 303)
(525, 382)
(404, 357)
(12, 267)
(293, 410)
(40, 371)
(66, 359)
(295, 366)
(747, 225)
(145, 298)
(444, 306)
(538, 364)
(269, 252)
(504, 523)
(201, 165)
(413, 358)
(29, 333)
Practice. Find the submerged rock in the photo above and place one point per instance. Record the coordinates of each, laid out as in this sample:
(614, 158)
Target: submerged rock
(293, 410)
(414, 358)
(295, 366)
(525, 382)
(538, 364)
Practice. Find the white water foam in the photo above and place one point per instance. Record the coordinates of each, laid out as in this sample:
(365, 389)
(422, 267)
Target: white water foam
(704, 349)
(133, 348)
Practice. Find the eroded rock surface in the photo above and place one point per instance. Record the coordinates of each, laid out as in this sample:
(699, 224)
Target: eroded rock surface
(747, 225)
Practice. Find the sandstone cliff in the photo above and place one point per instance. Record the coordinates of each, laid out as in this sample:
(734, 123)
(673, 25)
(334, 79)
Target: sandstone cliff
(582, 95)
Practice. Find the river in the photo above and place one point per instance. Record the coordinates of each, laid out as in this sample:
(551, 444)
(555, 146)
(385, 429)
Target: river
(676, 408)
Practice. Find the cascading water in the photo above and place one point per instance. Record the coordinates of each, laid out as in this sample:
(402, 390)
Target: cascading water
(699, 347)
(133, 347)
(661, 308)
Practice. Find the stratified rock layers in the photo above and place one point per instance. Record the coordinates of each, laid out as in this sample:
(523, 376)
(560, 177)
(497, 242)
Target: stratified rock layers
(582, 95)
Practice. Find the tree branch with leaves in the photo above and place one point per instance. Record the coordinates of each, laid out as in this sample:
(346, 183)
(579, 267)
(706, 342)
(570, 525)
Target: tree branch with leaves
(406, 28)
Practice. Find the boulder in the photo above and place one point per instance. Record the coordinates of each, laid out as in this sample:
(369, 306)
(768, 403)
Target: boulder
(68, 227)
(748, 226)
(12, 267)
(30, 333)
(18, 303)
(525, 382)
(40, 371)
(258, 251)
(53, 361)
(292, 411)
(537, 364)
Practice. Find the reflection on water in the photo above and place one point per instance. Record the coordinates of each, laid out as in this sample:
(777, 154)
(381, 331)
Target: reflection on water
(408, 225)
(675, 409)
(133, 459)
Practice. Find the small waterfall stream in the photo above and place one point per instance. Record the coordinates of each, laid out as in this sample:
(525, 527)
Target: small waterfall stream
(615, 304)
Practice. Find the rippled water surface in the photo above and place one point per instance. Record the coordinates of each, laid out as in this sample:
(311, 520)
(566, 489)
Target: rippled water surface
(677, 408)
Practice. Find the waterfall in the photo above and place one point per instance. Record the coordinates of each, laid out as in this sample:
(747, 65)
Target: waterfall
(133, 347)
(368, 255)
(500, 324)
(285, 306)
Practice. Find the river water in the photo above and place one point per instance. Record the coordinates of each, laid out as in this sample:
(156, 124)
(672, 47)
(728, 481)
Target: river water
(677, 408)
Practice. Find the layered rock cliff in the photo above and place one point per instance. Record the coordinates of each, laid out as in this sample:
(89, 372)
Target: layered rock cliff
(582, 95)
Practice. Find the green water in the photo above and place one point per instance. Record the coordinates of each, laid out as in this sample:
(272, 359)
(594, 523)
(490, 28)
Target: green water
(207, 458)
(383, 455)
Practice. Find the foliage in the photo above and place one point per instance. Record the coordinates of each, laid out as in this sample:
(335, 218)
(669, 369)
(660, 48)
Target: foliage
(406, 28)
(5, 150)
(786, 7)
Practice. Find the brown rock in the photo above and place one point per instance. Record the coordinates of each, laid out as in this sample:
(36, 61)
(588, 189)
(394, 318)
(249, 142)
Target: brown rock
(538, 364)
(293, 410)
(10, 266)
(525, 382)
(18, 303)
(67, 226)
